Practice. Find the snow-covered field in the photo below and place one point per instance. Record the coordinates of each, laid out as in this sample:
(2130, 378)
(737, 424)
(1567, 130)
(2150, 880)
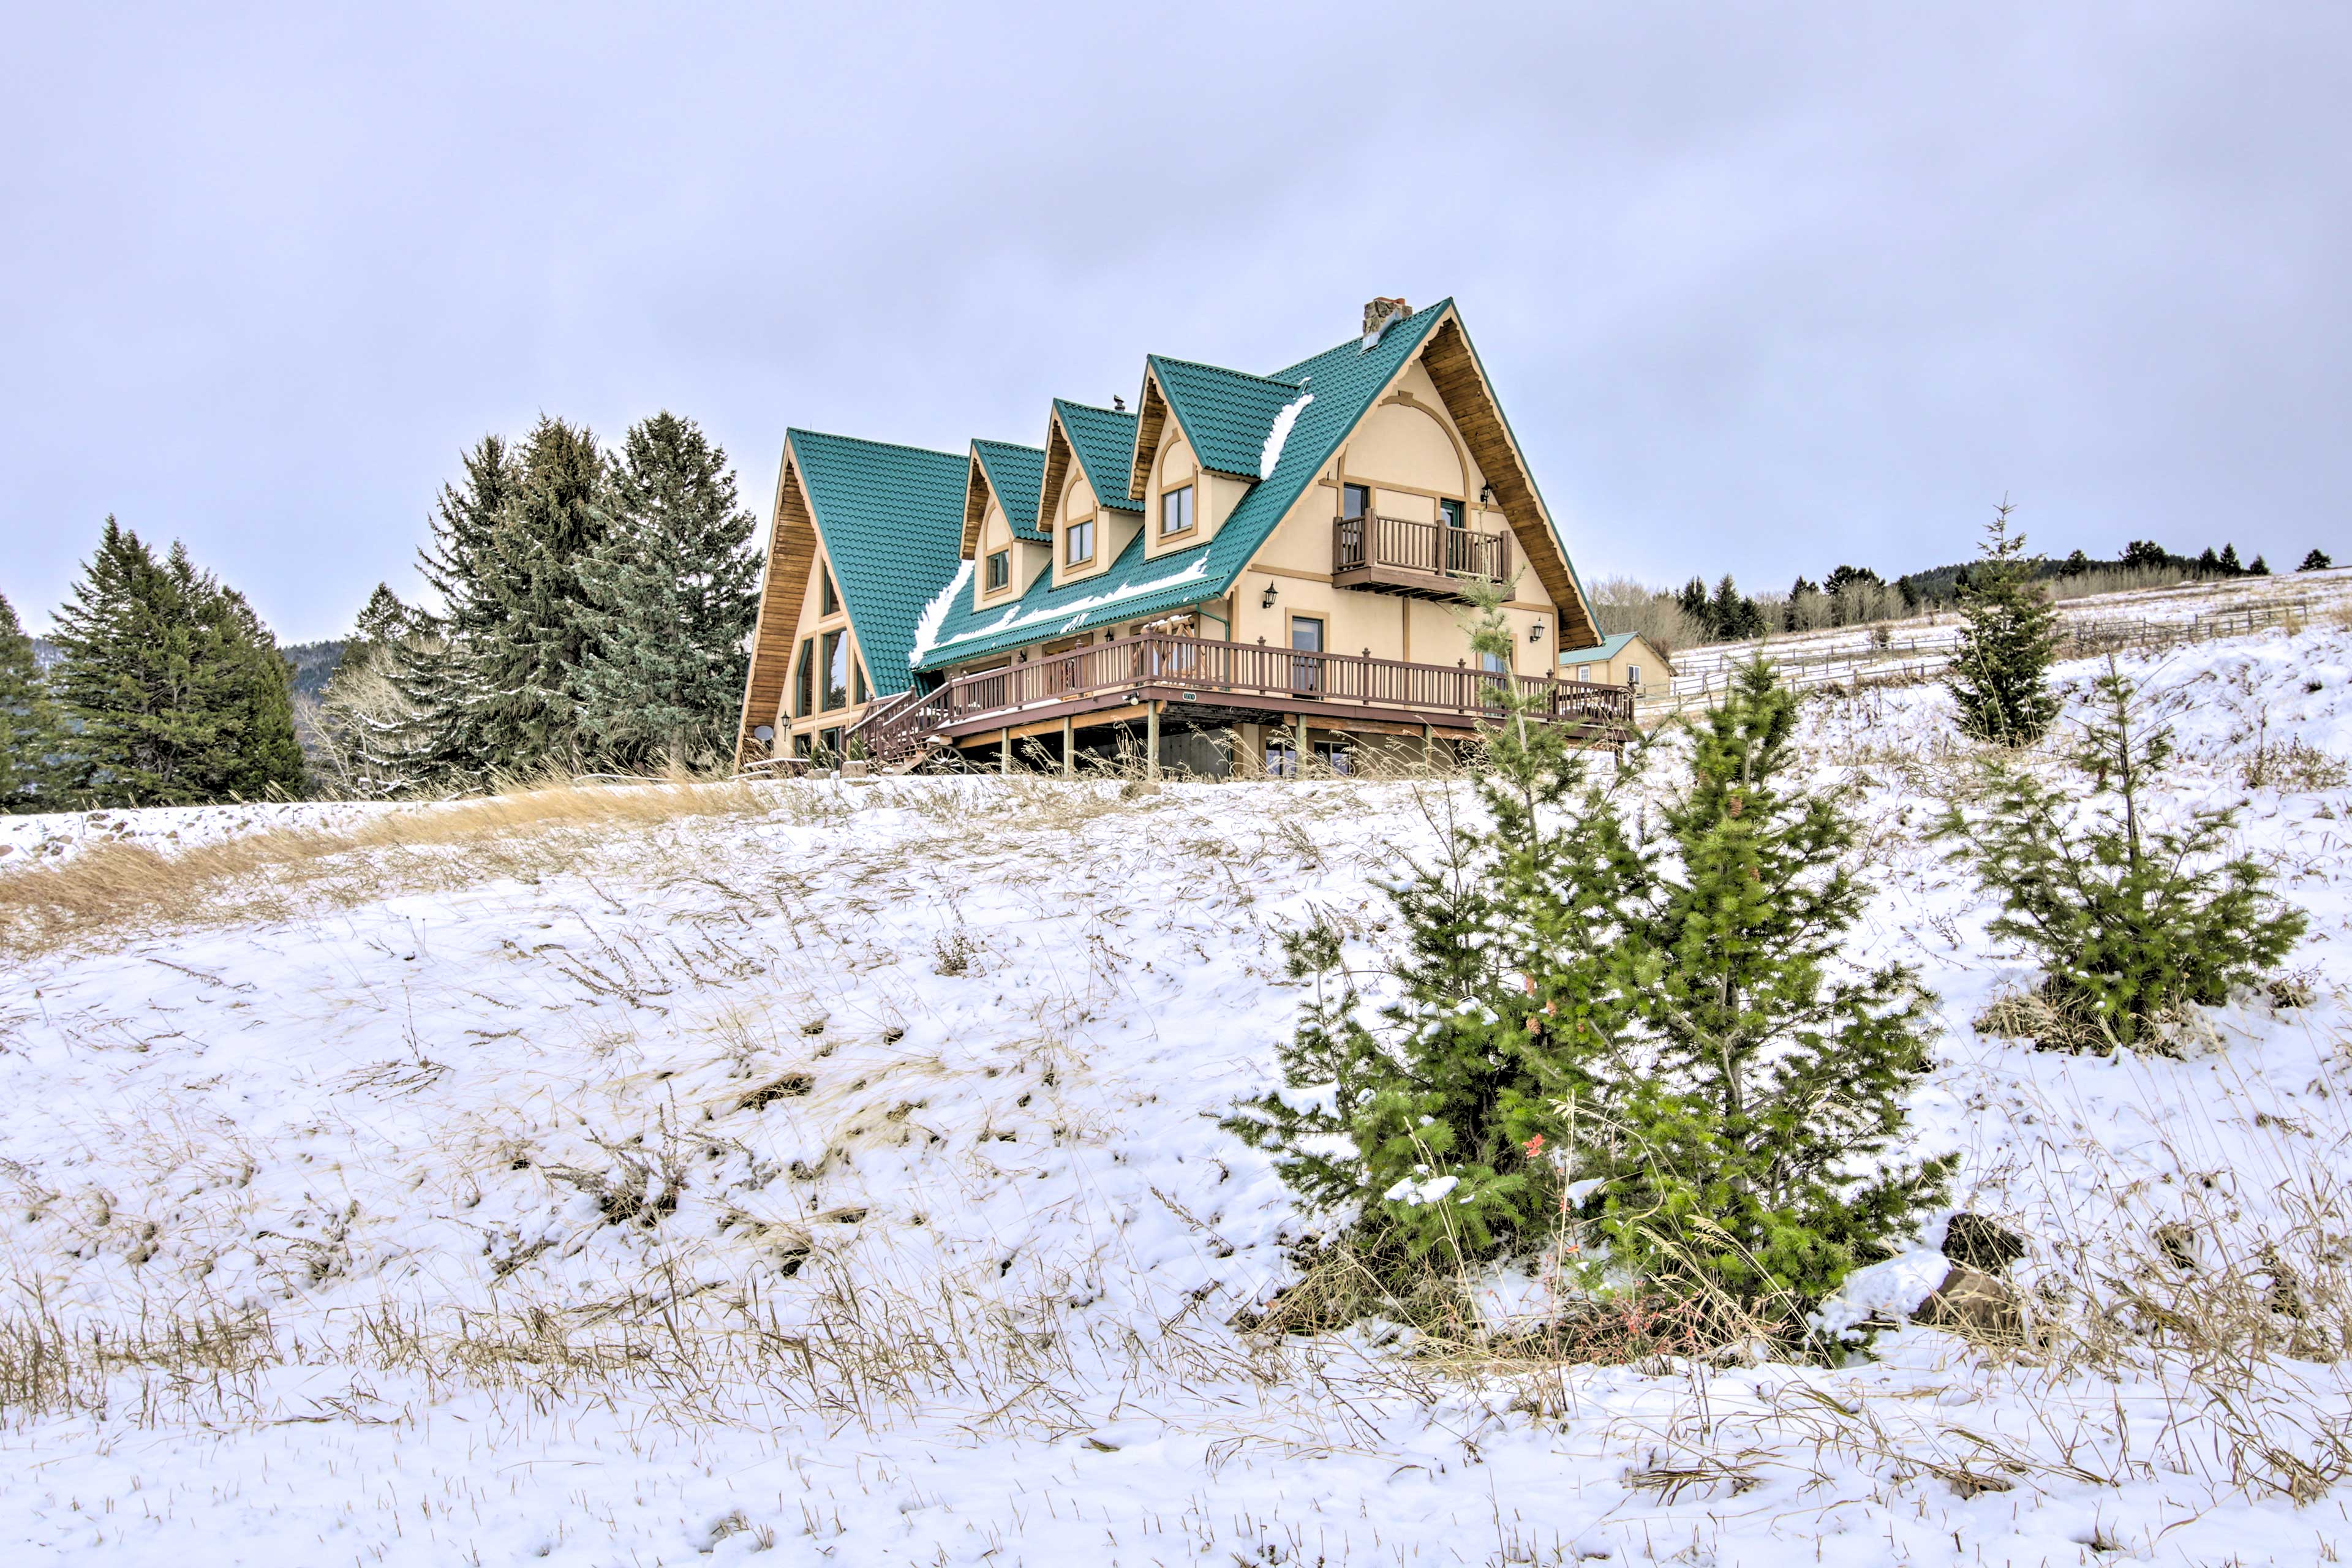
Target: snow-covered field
(833, 1169)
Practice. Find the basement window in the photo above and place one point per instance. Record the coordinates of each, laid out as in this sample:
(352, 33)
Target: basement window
(1000, 569)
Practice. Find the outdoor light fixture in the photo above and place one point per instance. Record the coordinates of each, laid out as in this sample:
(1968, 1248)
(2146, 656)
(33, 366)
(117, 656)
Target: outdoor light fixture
(1485, 495)
(1535, 633)
(1266, 602)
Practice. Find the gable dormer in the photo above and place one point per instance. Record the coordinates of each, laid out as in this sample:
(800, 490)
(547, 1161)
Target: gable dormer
(1083, 503)
(1203, 435)
(1001, 534)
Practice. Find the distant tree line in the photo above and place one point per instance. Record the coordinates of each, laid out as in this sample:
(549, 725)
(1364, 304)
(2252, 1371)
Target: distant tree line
(1850, 595)
(594, 611)
(594, 608)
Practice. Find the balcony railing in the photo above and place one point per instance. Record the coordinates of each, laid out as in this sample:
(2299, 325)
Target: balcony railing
(1381, 547)
(1196, 671)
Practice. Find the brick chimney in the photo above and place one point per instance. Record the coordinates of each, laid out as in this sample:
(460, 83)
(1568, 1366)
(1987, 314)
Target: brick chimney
(1379, 313)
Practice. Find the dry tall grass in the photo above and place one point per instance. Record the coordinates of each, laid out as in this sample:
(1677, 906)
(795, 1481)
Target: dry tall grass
(534, 827)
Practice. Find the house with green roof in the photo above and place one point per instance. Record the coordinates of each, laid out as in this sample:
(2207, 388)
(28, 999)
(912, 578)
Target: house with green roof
(1241, 573)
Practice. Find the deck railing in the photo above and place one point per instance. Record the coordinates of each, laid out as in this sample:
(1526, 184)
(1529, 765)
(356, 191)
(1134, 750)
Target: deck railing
(1240, 675)
(1437, 548)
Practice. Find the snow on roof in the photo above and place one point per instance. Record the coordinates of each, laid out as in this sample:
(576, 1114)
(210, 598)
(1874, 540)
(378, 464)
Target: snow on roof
(1275, 437)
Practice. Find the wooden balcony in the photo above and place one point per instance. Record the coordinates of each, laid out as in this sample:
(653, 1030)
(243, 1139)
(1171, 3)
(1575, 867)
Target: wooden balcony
(1223, 682)
(1418, 559)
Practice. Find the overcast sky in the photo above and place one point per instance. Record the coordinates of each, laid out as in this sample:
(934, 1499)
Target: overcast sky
(1763, 288)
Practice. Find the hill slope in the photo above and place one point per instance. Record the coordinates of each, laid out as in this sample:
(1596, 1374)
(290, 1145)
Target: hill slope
(835, 1168)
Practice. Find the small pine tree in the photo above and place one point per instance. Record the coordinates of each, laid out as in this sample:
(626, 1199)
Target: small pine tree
(2229, 561)
(674, 590)
(2317, 560)
(1643, 1037)
(177, 692)
(2130, 921)
(2009, 637)
(30, 736)
(2258, 567)
(1419, 1125)
(1754, 1165)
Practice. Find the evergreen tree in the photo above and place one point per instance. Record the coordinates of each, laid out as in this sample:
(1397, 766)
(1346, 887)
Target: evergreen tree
(2000, 671)
(2130, 918)
(2229, 561)
(522, 675)
(1595, 1028)
(490, 681)
(1752, 1164)
(2207, 564)
(674, 590)
(444, 741)
(2258, 567)
(1693, 602)
(175, 688)
(2146, 555)
(30, 736)
(367, 727)
(2317, 560)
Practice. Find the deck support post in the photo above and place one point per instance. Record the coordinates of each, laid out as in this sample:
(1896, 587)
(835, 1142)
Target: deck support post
(1004, 750)
(1152, 740)
(1429, 748)
(1069, 748)
(1298, 753)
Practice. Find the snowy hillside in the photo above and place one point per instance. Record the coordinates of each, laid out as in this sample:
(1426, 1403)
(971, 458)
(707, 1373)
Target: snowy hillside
(832, 1169)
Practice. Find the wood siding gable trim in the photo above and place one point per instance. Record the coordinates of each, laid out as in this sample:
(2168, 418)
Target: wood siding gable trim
(1452, 365)
(1151, 416)
(975, 506)
(784, 584)
(1059, 456)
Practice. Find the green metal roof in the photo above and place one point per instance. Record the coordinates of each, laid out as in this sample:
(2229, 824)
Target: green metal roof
(1015, 473)
(892, 520)
(1333, 390)
(1609, 647)
(1224, 414)
(1104, 439)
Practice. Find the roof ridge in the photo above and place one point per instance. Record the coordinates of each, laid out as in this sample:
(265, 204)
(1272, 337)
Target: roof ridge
(793, 430)
(1357, 341)
(1220, 370)
(1016, 446)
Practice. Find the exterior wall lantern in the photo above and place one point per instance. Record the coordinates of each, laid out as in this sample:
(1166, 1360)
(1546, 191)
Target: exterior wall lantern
(1265, 600)
(1535, 633)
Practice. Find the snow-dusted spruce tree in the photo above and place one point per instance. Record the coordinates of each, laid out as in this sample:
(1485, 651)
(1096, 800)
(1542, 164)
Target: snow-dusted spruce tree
(438, 739)
(557, 512)
(494, 695)
(29, 738)
(673, 589)
(2131, 919)
(365, 725)
(175, 691)
(2007, 636)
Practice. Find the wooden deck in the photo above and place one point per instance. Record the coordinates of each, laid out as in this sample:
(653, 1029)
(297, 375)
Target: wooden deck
(1214, 681)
